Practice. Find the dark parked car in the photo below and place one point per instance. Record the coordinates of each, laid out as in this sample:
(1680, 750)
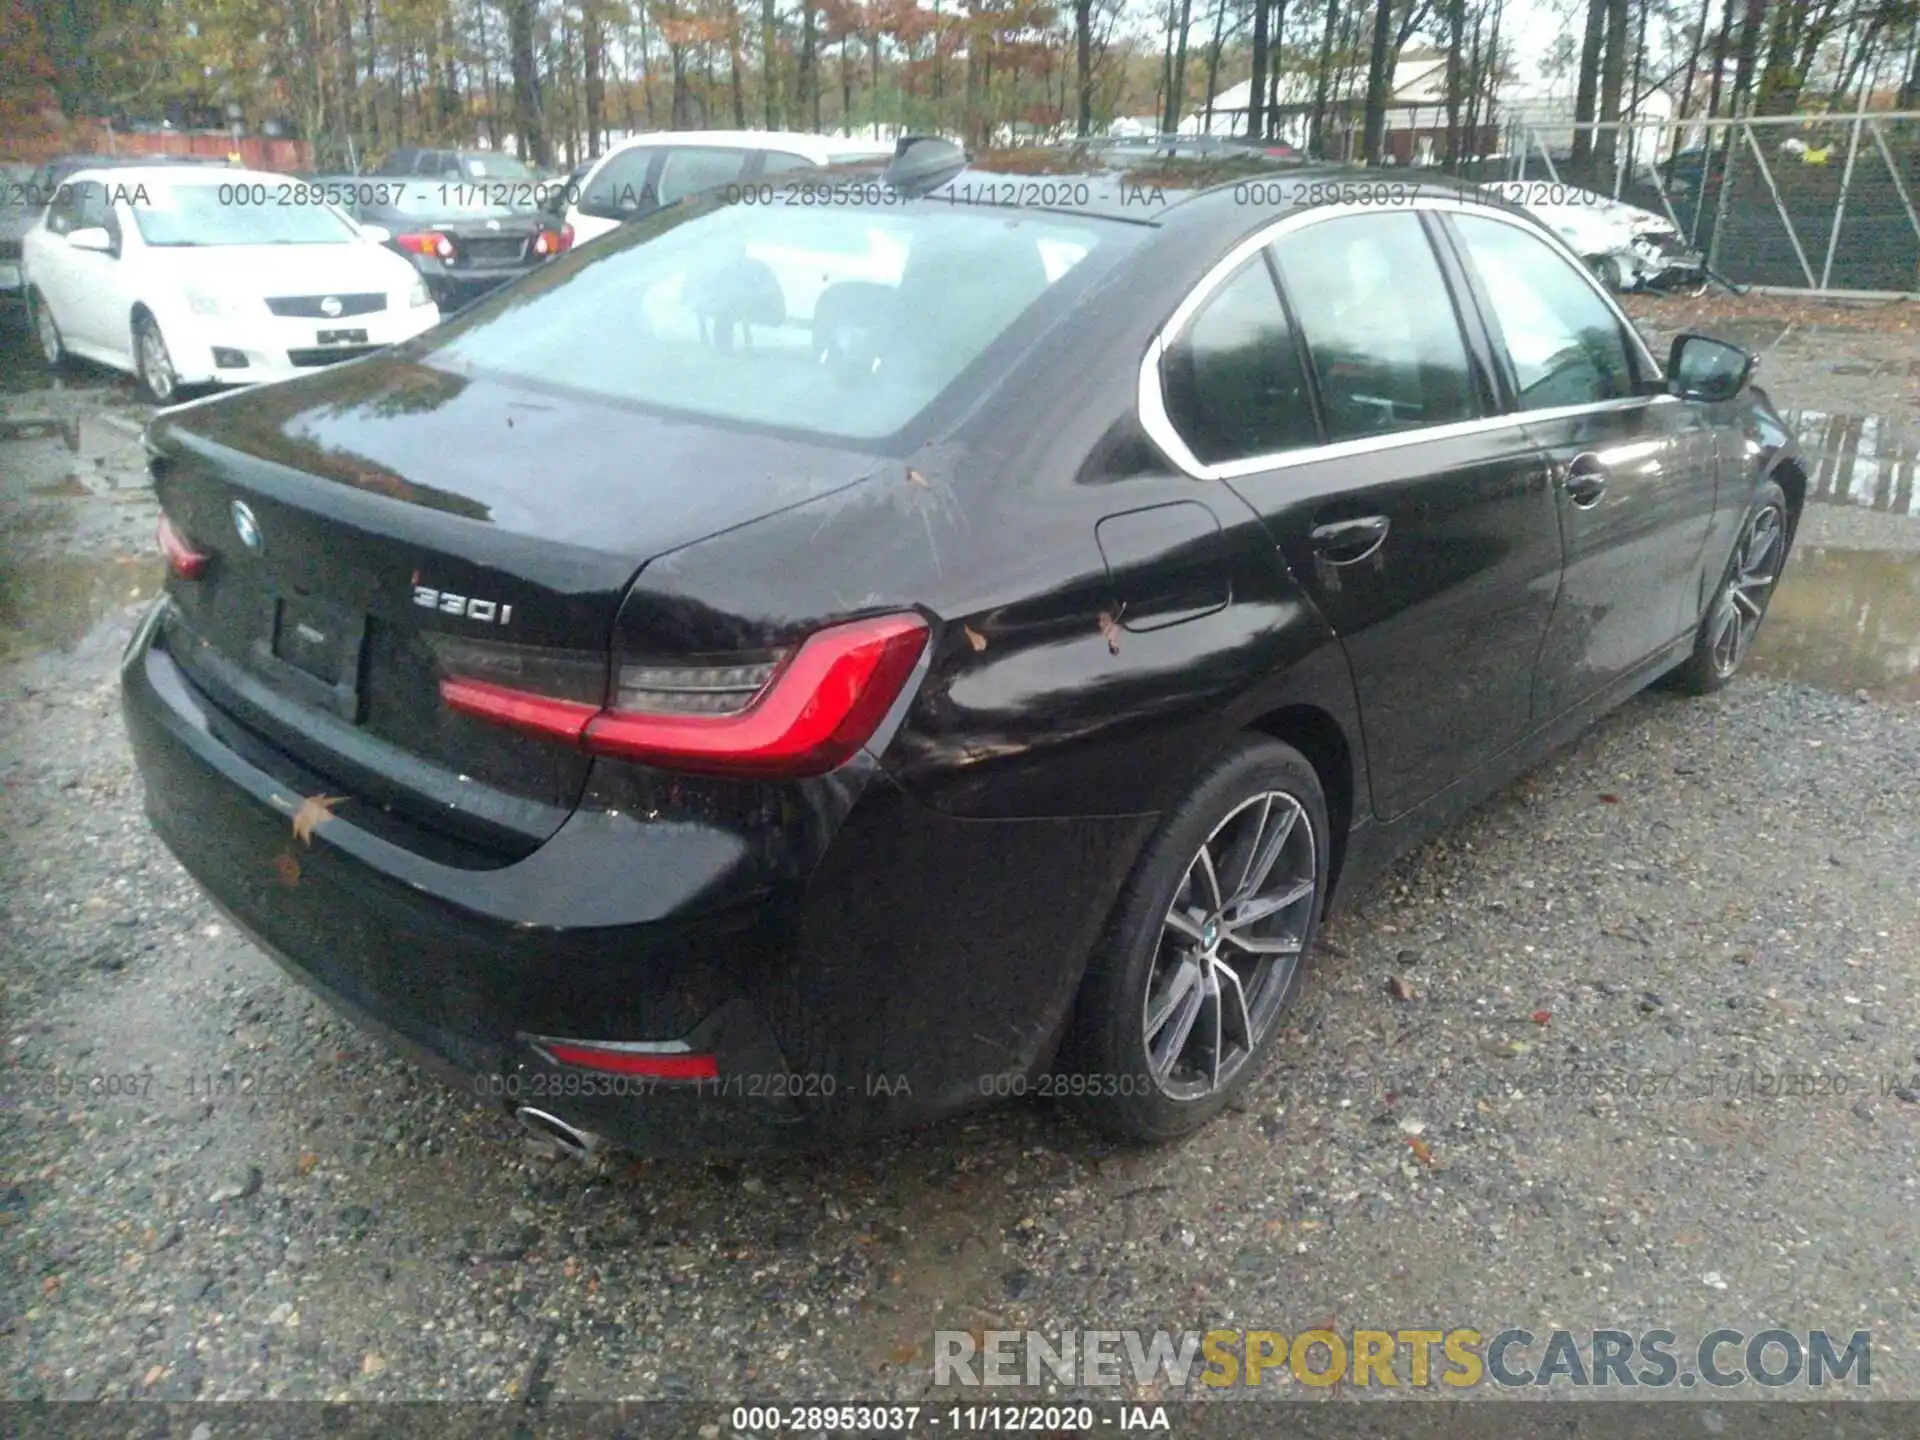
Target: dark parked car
(787, 672)
(463, 242)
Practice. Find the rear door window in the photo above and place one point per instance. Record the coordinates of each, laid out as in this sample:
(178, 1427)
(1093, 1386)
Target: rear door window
(622, 187)
(1379, 322)
(1234, 383)
(689, 169)
(775, 162)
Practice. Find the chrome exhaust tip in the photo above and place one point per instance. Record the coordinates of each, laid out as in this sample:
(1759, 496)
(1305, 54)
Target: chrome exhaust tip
(558, 1133)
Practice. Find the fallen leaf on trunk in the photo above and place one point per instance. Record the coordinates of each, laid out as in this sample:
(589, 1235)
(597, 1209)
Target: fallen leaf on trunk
(1110, 628)
(914, 477)
(314, 810)
(975, 638)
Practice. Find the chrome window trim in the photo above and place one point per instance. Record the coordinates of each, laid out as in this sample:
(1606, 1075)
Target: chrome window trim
(1152, 392)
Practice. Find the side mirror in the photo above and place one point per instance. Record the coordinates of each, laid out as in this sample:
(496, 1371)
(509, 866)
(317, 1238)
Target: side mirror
(375, 234)
(1700, 367)
(91, 237)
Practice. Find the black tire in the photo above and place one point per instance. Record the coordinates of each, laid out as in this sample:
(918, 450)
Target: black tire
(1106, 1064)
(46, 330)
(150, 354)
(1747, 584)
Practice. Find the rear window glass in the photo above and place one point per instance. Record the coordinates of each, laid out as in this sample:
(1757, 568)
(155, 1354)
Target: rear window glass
(493, 167)
(845, 322)
(455, 201)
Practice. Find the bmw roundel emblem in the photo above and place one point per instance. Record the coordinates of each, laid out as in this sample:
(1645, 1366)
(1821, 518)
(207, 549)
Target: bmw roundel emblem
(331, 307)
(245, 525)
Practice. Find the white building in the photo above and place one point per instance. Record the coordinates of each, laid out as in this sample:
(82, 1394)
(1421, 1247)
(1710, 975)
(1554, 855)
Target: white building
(1416, 117)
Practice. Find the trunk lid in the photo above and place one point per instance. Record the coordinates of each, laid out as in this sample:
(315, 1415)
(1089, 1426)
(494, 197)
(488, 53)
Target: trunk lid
(379, 525)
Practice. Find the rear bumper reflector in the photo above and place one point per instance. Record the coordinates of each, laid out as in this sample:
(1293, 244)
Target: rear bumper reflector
(631, 1060)
(185, 561)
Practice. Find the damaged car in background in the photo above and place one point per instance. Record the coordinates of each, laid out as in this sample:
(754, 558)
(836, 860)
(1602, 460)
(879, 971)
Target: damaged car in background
(1627, 247)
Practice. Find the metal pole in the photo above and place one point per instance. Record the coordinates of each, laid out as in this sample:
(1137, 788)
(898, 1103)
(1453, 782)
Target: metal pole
(1846, 180)
(1720, 200)
(1546, 155)
(1900, 188)
(1780, 206)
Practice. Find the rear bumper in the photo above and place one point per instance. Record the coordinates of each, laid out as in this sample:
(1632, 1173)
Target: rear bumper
(455, 289)
(920, 958)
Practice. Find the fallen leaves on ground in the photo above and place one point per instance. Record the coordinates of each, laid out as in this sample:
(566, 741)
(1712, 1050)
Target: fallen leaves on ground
(1541, 1017)
(314, 810)
(1399, 988)
(914, 477)
(1422, 1151)
(286, 868)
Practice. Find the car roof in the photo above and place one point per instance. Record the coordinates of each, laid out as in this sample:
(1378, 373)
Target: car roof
(1160, 189)
(823, 149)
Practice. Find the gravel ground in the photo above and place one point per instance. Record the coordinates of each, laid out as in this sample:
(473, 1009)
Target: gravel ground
(1506, 1095)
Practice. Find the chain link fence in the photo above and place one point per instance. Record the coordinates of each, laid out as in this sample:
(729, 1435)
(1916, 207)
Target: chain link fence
(1810, 203)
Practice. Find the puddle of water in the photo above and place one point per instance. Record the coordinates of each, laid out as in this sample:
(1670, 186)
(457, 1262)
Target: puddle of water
(1868, 460)
(1846, 620)
(51, 603)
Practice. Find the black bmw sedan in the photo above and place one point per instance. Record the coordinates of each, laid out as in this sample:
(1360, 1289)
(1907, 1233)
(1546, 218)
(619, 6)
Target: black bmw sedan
(784, 671)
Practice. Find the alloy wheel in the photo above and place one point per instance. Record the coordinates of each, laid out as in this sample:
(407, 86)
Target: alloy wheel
(156, 366)
(1229, 946)
(1743, 600)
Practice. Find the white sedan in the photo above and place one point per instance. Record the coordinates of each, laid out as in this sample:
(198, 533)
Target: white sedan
(1626, 246)
(191, 277)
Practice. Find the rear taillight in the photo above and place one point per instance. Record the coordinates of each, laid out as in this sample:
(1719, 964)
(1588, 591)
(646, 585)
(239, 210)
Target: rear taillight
(798, 713)
(182, 559)
(552, 242)
(427, 242)
(644, 1060)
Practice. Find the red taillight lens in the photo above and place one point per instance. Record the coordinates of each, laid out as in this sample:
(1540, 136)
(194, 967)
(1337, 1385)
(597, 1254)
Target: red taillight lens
(819, 706)
(564, 720)
(552, 242)
(428, 242)
(182, 559)
(617, 1060)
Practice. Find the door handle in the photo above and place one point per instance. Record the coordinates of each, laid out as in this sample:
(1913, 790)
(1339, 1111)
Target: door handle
(1584, 480)
(1345, 542)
